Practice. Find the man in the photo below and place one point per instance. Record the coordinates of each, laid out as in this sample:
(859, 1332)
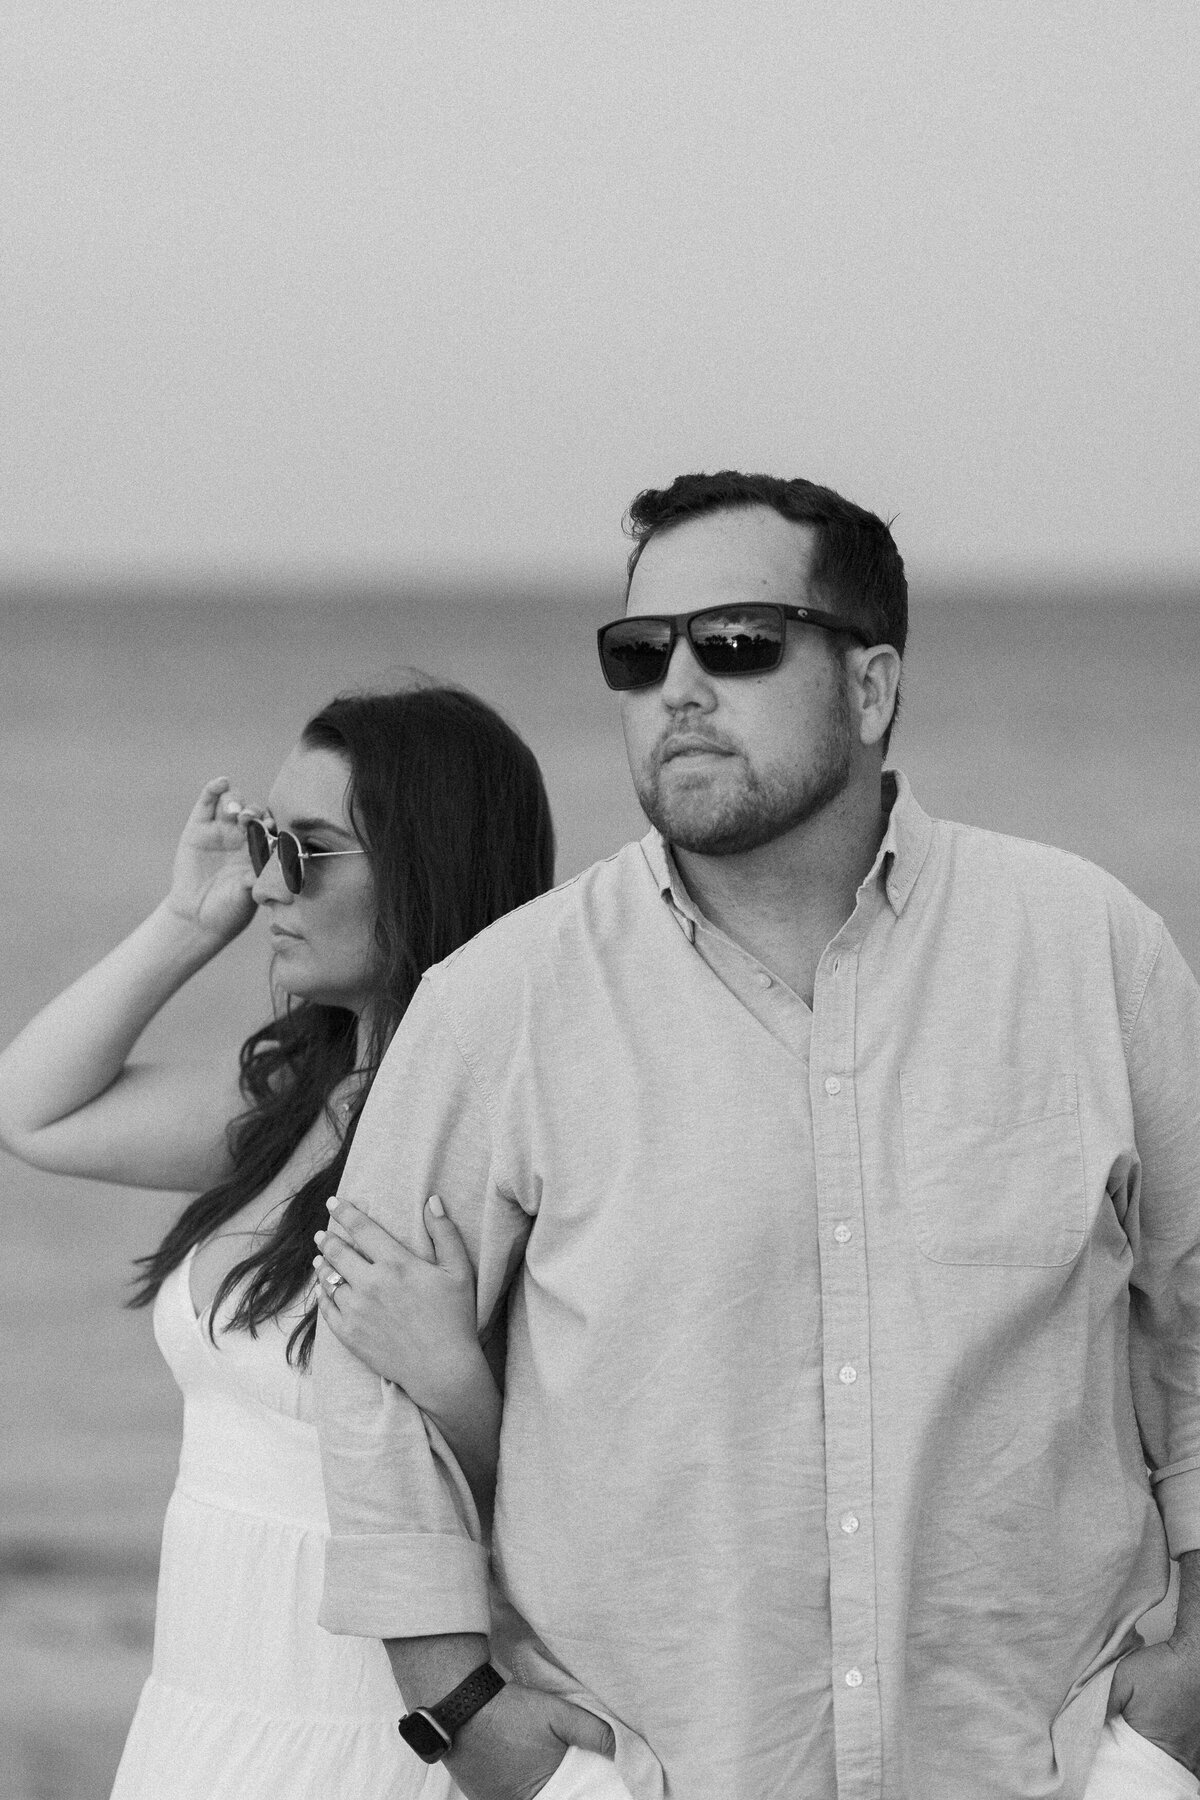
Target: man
(841, 1169)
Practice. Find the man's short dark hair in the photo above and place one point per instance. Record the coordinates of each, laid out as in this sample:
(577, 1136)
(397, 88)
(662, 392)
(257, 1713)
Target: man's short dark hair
(856, 568)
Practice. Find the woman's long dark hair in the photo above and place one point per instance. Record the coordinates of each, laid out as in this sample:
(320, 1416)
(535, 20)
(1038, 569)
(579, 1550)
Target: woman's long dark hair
(449, 804)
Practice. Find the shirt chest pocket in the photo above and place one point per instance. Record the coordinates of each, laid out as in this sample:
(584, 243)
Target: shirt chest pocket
(994, 1167)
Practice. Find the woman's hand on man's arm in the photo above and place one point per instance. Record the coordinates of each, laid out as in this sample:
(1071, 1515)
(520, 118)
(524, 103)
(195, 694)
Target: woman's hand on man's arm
(412, 1320)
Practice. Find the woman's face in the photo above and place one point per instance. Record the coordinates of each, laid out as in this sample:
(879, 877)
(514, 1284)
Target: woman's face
(323, 938)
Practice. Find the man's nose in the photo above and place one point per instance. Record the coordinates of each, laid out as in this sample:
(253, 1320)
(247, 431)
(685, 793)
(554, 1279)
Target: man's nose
(685, 682)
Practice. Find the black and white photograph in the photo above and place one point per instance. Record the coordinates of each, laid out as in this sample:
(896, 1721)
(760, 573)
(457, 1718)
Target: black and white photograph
(599, 1027)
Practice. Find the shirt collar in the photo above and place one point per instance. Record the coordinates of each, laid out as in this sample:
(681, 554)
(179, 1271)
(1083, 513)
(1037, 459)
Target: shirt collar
(898, 862)
(905, 843)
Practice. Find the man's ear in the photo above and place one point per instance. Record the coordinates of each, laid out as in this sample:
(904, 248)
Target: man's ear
(874, 685)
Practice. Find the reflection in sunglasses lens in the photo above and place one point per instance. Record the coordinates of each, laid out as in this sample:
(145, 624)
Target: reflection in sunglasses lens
(737, 643)
(635, 654)
(733, 640)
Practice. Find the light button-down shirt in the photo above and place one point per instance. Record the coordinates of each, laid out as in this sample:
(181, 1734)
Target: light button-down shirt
(927, 1258)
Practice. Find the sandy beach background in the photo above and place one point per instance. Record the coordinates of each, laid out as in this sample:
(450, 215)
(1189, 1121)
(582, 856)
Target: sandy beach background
(1067, 717)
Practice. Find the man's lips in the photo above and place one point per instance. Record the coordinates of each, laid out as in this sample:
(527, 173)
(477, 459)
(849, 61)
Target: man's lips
(690, 746)
(281, 931)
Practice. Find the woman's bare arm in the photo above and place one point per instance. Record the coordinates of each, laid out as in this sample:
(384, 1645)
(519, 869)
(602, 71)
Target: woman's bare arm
(72, 1101)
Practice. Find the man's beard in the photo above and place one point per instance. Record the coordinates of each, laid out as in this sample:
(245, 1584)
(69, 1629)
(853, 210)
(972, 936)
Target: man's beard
(715, 821)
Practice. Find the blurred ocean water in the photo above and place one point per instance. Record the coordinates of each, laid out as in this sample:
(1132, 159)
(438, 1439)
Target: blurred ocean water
(1075, 720)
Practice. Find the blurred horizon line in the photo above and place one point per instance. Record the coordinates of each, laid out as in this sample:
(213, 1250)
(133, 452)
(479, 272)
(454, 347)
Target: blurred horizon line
(509, 586)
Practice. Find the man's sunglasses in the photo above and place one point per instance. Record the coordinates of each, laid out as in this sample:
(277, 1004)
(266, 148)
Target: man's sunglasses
(725, 640)
(262, 843)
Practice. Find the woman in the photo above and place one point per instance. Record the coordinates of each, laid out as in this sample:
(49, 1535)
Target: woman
(399, 826)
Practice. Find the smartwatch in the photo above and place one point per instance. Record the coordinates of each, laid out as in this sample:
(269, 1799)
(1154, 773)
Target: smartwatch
(429, 1730)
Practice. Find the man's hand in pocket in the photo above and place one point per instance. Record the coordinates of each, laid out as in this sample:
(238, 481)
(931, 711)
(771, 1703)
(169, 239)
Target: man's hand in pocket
(1157, 1690)
(513, 1745)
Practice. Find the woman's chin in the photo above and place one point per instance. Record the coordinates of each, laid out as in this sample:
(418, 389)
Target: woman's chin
(318, 993)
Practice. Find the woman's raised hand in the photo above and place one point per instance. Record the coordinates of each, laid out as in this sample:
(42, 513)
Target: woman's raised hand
(212, 877)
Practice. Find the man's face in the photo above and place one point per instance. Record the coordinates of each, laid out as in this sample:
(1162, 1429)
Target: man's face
(724, 765)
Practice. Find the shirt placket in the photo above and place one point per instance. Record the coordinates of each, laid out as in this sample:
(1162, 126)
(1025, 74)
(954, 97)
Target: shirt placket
(842, 1247)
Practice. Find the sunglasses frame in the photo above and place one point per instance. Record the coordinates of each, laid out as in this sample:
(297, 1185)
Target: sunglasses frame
(303, 856)
(681, 626)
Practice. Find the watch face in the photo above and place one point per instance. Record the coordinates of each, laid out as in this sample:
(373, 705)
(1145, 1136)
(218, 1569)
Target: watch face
(422, 1734)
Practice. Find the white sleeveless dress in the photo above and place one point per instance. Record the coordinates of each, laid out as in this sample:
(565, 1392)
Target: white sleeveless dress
(248, 1699)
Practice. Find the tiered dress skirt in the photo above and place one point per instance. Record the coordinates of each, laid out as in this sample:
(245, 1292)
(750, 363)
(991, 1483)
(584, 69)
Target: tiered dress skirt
(248, 1698)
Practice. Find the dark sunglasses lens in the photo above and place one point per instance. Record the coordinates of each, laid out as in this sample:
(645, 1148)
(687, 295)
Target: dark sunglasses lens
(259, 846)
(634, 653)
(291, 863)
(737, 640)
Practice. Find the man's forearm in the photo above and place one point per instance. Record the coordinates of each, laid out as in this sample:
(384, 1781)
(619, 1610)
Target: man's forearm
(468, 1417)
(1187, 1612)
(428, 1668)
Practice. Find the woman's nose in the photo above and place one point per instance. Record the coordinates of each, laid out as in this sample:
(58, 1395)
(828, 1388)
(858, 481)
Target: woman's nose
(269, 887)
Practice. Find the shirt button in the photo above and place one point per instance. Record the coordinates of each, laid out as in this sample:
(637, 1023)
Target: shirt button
(848, 1523)
(842, 1234)
(764, 981)
(853, 1677)
(847, 1374)
(832, 1085)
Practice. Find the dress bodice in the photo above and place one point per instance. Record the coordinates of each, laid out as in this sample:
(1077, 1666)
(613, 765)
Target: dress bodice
(249, 1437)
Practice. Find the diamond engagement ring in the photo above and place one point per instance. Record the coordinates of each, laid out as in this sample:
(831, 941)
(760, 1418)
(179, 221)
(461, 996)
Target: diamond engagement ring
(333, 1282)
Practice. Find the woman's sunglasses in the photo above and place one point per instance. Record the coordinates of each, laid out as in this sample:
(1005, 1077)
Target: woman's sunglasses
(262, 842)
(725, 640)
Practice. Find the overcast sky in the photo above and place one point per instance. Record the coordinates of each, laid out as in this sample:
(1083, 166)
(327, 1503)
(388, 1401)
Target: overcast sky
(399, 285)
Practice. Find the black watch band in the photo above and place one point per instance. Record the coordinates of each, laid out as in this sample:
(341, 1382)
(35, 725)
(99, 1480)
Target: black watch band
(467, 1698)
(430, 1730)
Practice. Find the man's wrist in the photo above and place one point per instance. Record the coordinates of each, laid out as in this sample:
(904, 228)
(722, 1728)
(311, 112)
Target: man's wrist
(431, 1731)
(428, 1668)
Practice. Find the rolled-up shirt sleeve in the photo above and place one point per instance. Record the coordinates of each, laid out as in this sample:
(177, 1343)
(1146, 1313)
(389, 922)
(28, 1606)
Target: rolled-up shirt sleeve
(1164, 1074)
(404, 1557)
